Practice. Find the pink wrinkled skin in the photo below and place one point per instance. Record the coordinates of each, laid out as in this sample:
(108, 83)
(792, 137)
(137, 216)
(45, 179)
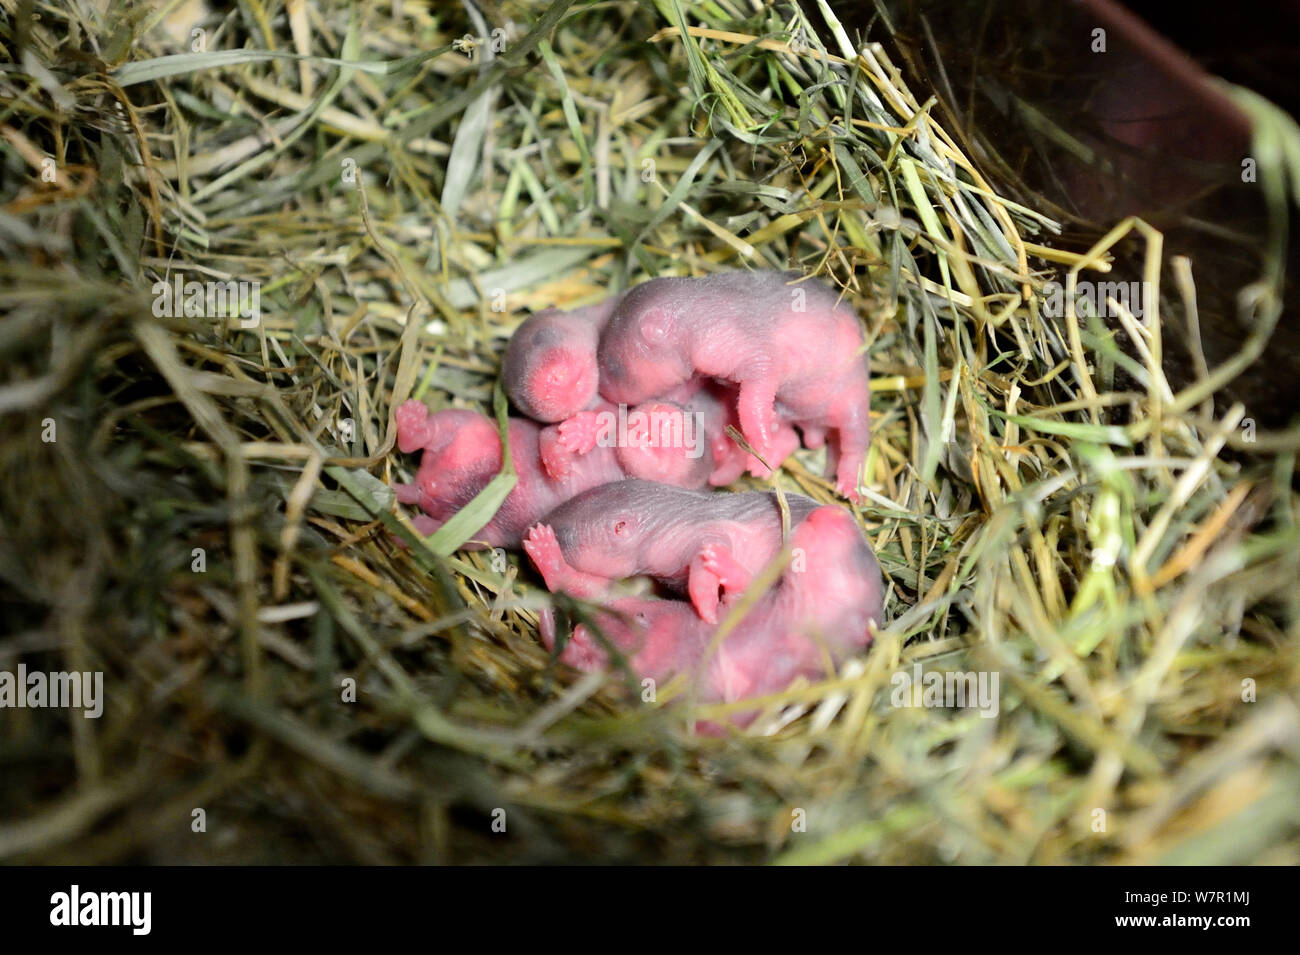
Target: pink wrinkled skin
(820, 610)
(654, 448)
(462, 453)
(776, 355)
(694, 540)
(715, 406)
(795, 353)
(709, 545)
(550, 365)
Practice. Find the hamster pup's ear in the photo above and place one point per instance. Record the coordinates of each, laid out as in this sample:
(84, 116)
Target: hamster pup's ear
(656, 325)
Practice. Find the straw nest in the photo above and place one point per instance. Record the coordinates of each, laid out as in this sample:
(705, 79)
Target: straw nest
(201, 510)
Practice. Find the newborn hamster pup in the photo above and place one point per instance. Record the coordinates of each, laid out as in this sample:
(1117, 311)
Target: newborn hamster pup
(550, 365)
(820, 610)
(695, 539)
(794, 351)
(462, 453)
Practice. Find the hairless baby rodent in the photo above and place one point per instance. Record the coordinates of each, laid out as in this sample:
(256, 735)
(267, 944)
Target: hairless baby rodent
(462, 453)
(698, 411)
(792, 352)
(678, 536)
(820, 611)
(550, 366)
(702, 542)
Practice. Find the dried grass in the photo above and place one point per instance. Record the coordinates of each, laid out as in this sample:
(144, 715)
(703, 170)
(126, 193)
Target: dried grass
(1098, 549)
